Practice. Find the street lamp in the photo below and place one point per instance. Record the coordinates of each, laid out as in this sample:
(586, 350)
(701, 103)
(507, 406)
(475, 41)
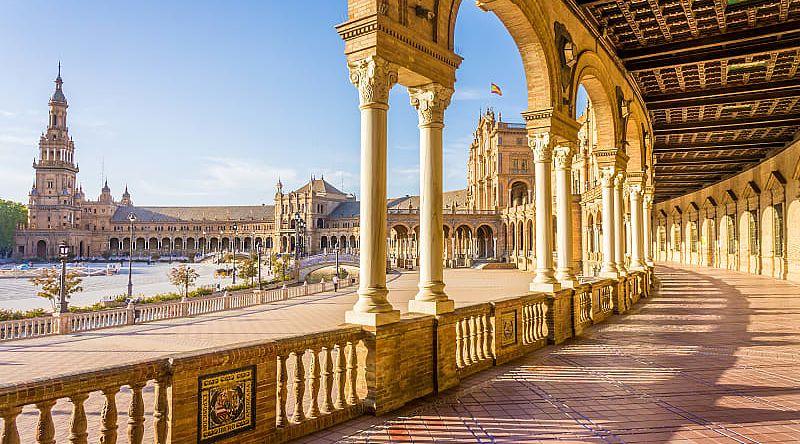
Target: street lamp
(235, 235)
(299, 235)
(258, 253)
(131, 219)
(204, 244)
(63, 254)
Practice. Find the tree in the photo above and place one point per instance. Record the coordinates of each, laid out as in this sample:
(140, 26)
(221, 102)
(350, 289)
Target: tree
(247, 269)
(11, 214)
(280, 266)
(183, 277)
(49, 282)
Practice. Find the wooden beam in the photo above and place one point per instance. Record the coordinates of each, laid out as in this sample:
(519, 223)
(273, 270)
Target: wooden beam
(708, 162)
(718, 146)
(727, 125)
(715, 41)
(734, 94)
(693, 170)
(711, 55)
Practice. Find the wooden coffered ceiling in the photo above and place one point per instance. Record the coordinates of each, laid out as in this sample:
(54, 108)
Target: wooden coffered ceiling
(718, 77)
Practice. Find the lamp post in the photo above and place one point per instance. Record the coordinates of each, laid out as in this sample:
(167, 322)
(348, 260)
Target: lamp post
(258, 254)
(204, 245)
(63, 254)
(219, 249)
(337, 261)
(235, 234)
(131, 219)
(297, 221)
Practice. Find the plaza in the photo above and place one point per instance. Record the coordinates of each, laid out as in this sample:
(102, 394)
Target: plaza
(619, 268)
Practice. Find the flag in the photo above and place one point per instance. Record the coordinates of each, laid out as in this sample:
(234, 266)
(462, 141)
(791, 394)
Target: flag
(496, 90)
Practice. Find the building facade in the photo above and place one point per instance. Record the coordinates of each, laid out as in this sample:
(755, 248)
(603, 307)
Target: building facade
(492, 219)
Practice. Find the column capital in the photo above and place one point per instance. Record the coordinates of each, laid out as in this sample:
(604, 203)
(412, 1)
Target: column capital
(374, 77)
(635, 189)
(430, 102)
(607, 175)
(563, 157)
(542, 149)
(619, 180)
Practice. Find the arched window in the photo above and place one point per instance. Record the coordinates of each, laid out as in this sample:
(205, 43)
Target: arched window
(693, 232)
(753, 227)
(778, 229)
(730, 228)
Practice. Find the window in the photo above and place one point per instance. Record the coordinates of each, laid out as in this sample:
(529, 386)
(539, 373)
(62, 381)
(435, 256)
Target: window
(662, 239)
(777, 230)
(731, 229)
(693, 234)
(676, 237)
(753, 226)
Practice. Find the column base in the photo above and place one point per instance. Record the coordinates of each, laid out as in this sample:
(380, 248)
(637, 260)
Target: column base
(545, 287)
(609, 274)
(568, 281)
(372, 319)
(431, 307)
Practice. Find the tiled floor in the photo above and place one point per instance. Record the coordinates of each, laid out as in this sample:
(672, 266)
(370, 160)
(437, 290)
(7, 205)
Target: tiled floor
(714, 358)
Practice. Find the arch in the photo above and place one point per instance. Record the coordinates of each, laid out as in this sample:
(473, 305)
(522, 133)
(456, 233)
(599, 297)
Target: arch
(268, 243)
(226, 244)
(485, 238)
(178, 243)
(353, 242)
(214, 244)
(41, 249)
(595, 80)
(140, 243)
(152, 243)
(532, 32)
(248, 243)
(166, 243)
(634, 145)
(191, 244)
(126, 244)
(323, 242)
(519, 192)
(113, 244)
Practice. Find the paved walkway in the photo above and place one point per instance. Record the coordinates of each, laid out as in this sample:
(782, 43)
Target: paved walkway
(714, 358)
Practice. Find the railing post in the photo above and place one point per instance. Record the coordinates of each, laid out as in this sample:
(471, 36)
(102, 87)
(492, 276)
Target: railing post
(184, 307)
(64, 323)
(226, 301)
(305, 288)
(130, 313)
(284, 292)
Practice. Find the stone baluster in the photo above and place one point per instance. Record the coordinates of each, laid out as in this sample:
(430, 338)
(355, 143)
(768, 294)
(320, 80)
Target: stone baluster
(465, 351)
(299, 386)
(136, 414)
(459, 345)
(108, 417)
(341, 375)
(473, 340)
(479, 337)
(545, 330)
(313, 384)
(327, 379)
(526, 324)
(486, 338)
(77, 427)
(352, 369)
(45, 429)
(282, 420)
(161, 410)
(10, 431)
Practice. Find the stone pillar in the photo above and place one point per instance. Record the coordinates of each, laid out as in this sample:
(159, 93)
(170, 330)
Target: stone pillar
(647, 229)
(619, 235)
(564, 272)
(609, 268)
(637, 247)
(542, 157)
(430, 102)
(374, 77)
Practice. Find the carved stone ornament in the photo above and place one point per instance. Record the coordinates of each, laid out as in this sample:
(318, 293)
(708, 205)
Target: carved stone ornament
(430, 101)
(563, 157)
(619, 180)
(607, 175)
(540, 144)
(374, 77)
(635, 189)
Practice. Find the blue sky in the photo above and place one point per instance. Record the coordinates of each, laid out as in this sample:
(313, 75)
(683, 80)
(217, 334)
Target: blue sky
(201, 102)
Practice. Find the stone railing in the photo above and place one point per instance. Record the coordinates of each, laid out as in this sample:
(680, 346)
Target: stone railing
(322, 369)
(138, 314)
(287, 388)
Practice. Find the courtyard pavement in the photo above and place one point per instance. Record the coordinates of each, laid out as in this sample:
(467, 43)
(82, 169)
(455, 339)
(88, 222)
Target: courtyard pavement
(713, 358)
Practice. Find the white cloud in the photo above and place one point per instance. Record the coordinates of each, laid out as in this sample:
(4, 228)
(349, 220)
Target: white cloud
(4, 113)
(470, 94)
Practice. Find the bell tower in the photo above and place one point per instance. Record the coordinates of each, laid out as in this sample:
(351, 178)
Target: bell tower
(52, 200)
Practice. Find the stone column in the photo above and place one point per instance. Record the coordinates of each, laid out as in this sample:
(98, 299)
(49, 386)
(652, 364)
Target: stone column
(647, 229)
(619, 235)
(542, 157)
(609, 268)
(564, 272)
(637, 250)
(374, 77)
(430, 102)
